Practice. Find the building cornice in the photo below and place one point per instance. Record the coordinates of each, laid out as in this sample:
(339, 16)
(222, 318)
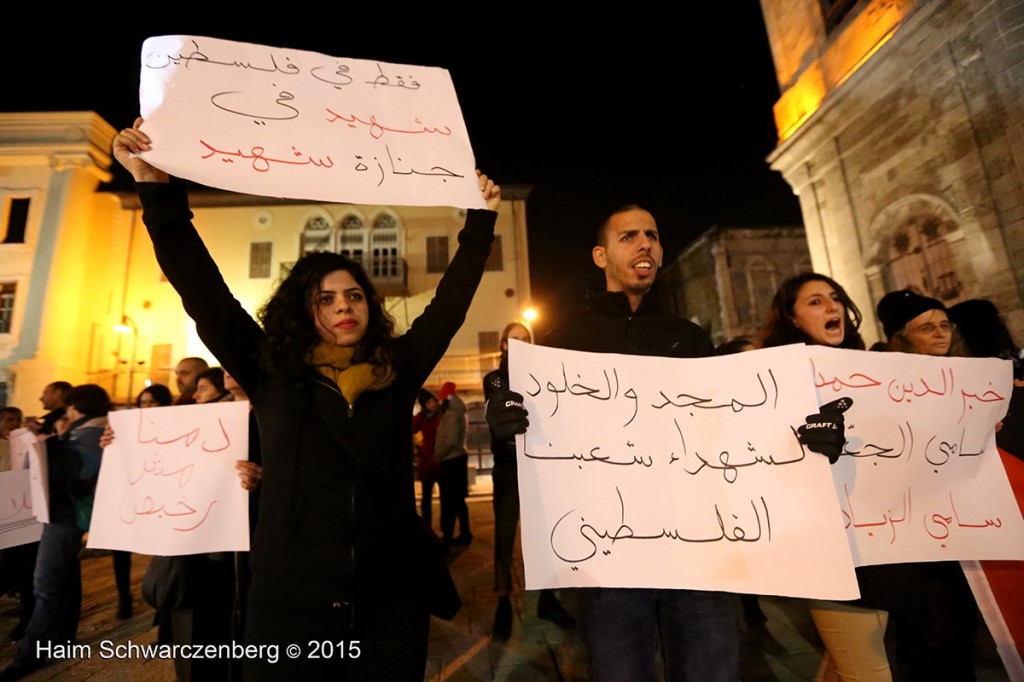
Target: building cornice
(202, 197)
(66, 139)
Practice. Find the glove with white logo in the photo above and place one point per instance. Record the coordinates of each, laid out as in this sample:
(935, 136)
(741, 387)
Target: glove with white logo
(506, 415)
(824, 432)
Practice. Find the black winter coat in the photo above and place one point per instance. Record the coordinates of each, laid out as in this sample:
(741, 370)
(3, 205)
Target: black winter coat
(337, 516)
(608, 325)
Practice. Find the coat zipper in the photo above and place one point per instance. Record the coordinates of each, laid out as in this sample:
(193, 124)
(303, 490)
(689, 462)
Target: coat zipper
(330, 385)
(352, 502)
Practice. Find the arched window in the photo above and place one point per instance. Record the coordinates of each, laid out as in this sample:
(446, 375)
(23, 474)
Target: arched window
(914, 248)
(316, 235)
(352, 237)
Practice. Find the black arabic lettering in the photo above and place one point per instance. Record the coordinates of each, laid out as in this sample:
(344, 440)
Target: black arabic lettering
(383, 81)
(684, 400)
(435, 171)
(282, 97)
(340, 74)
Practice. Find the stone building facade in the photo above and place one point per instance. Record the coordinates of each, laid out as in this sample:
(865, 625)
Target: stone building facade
(901, 130)
(725, 280)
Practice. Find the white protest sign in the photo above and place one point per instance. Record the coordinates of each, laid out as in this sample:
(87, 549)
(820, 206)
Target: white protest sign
(17, 524)
(669, 473)
(28, 453)
(168, 484)
(290, 123)
(920, 478)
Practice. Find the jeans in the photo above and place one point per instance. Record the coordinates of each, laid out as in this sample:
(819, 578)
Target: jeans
(57, 587)
(698, 632)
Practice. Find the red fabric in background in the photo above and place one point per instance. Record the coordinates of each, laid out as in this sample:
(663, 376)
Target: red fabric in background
(1006, 578)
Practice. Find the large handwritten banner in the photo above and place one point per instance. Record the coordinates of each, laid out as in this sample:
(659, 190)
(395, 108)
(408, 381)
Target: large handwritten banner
(168, 484)
(920, 478)
(18, 526)
(28, 453)
(289, 123)
(656, 472)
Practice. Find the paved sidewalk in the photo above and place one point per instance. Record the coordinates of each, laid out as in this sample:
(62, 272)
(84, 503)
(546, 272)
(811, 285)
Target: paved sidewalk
(787, 648)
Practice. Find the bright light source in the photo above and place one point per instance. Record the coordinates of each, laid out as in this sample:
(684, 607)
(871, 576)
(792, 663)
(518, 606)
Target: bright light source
(530, 314)
(122, 329)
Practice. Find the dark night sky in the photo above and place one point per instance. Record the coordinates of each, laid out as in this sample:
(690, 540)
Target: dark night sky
(595, 113)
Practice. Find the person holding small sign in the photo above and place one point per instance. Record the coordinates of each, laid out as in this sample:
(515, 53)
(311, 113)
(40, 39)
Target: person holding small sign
(342, 566)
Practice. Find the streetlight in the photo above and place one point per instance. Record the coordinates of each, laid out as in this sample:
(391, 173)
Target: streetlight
(529, 316)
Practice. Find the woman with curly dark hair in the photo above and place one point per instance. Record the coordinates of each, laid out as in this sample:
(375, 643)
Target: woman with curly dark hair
(339, 555)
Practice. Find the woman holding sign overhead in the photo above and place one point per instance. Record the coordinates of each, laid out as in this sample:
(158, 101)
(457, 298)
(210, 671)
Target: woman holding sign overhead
(342, 567)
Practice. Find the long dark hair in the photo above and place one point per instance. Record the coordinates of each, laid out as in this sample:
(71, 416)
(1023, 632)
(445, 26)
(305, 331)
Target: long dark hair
(503, 363)
(780, 329)
(287, 316)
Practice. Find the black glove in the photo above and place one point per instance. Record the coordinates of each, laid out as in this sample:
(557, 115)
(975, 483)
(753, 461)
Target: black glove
(506, 415)
(824, 432)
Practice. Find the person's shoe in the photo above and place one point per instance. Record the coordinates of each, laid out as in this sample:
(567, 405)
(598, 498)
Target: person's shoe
(124, 608)
(463, 539)
(502, 629)
(550, 609)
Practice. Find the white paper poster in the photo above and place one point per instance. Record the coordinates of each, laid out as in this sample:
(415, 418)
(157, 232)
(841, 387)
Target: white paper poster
(289, 123)
(669, 473)
(168, 484)
(27, 452)
(920, 478)
(18, 526)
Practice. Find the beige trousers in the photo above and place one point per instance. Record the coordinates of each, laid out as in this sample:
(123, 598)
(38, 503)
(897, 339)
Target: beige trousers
(854, 643)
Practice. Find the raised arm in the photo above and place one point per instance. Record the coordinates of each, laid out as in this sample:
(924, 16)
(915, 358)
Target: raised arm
(429, 335)
(223, 324)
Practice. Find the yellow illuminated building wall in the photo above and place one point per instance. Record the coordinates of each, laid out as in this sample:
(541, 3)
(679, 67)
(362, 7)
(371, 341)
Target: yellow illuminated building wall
(811, 63)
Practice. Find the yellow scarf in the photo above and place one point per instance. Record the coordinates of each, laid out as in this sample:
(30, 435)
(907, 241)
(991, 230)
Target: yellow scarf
(335, 363)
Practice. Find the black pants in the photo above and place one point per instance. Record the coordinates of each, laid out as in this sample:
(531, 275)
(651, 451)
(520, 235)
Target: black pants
(506, 519)
(454, 488)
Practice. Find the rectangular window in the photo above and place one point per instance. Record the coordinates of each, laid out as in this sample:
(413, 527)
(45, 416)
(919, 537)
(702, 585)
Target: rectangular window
(490, 351)
(495, 260)
(437, 254)
(834, 11)
(259, 259)
(160, 364)
(16, 220)
(7, 290)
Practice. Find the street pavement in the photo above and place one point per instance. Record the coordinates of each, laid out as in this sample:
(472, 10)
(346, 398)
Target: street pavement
(785, 648)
